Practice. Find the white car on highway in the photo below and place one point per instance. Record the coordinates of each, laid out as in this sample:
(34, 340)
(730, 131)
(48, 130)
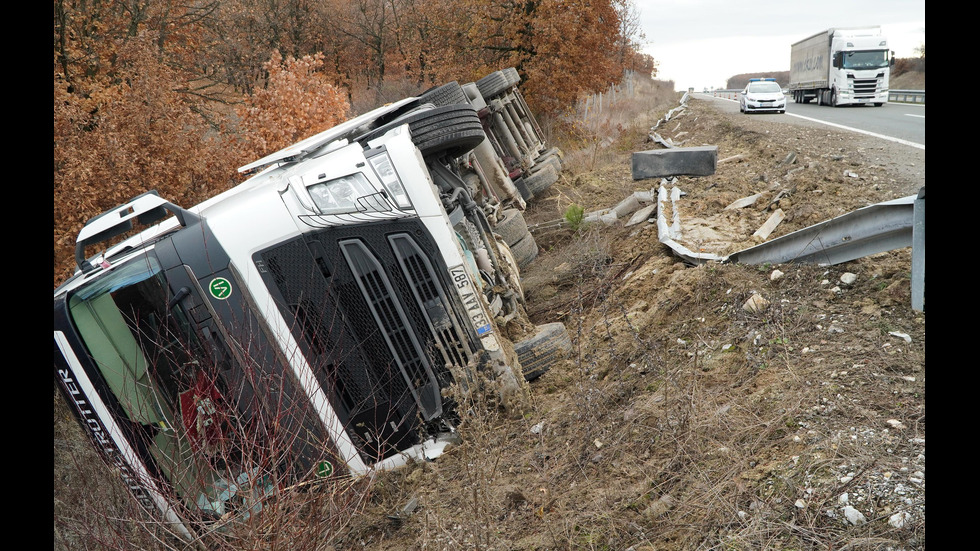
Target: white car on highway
(762, 94)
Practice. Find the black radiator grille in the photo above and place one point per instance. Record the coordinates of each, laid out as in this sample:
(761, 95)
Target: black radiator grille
(394, 324)
(369, 309)
(420, 273)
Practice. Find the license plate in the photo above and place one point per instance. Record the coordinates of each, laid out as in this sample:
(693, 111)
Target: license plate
(471, 300)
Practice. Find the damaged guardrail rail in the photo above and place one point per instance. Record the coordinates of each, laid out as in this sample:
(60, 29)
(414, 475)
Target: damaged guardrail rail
(869, 230)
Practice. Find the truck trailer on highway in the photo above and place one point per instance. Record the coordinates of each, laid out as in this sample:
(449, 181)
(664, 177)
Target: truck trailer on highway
(841, 66)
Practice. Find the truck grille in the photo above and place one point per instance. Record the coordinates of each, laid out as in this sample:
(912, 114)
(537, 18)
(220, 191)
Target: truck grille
(368, 308)
(395, 327)
(865, 88)
(435, 305)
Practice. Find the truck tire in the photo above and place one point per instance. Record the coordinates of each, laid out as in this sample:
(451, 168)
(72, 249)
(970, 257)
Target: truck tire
(554, 156)
(492, 85)
(525, 251)
(512, 76)
(540, 178)
(447, 94)
(522, 188)
(549, 345)
(446, 129)
(511, 226)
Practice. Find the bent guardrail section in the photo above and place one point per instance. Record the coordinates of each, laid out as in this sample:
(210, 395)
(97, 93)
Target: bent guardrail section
(874, 229)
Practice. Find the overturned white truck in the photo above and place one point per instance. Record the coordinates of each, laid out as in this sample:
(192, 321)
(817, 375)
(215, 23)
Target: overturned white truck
(318, 320)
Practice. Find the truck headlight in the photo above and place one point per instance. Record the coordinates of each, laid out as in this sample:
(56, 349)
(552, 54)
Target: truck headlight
(382, 166)
(351, 193)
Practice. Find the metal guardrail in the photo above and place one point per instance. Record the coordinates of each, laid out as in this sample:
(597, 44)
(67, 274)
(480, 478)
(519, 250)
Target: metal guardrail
(898, 96)
(907, 96)
(877, 228)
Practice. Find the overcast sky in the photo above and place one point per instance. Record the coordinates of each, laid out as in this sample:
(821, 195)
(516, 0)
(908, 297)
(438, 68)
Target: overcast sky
(702, 43)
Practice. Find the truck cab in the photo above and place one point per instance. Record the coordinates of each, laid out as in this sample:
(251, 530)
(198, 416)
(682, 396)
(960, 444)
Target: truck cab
(860, 70)
(320, 319)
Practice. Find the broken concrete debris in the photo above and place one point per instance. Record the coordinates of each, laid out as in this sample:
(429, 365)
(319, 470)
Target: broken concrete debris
(677, 161)
(642, 215)
(767, 228)
(743, 202)
(755, 304)
(733, 158)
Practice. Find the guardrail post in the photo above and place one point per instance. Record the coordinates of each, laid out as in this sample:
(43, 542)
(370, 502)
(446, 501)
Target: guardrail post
(919, 251)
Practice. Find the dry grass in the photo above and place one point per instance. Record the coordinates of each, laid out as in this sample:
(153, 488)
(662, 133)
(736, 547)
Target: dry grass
(682, 421)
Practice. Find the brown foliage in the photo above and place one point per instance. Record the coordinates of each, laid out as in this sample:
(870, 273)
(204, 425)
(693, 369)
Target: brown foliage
(298, 101)
(908, 64)
(145, 91)
(128, 135)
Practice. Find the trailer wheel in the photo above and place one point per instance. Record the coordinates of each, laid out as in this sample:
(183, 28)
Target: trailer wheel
(549, 345)
(525, 251)
(447, 94)
(511, 226)
(541, 178)
(554, 156)
(450, 129)
(512, 76)
(493, 85)
(522, 188)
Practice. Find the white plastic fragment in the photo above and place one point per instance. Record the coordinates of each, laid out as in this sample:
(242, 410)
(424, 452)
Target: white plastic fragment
(903, 336)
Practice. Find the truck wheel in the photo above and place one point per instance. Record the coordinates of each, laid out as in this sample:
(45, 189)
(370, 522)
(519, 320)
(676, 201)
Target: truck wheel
(549, 345)
(552, 160)
(522, 187)
(554, 156)
(540, 179)
(512, 76)
(447, 94)
(493, 85)
(525, 251)
(450, 129)
(511, 226)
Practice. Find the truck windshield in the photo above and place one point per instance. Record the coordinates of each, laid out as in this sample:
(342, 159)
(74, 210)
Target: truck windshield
(151, 361)
(867, 59)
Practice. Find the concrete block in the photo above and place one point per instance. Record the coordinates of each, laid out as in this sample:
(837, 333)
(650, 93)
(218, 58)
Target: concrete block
(677, 161)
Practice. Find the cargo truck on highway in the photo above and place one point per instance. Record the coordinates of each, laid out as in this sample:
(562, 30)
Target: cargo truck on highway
(841, 66)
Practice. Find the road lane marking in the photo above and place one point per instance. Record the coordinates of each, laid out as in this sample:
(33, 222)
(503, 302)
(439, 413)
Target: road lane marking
(882, 136)
(858, 130)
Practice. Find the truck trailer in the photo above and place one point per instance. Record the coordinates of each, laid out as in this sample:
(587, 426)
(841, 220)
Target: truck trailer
(841, 66)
